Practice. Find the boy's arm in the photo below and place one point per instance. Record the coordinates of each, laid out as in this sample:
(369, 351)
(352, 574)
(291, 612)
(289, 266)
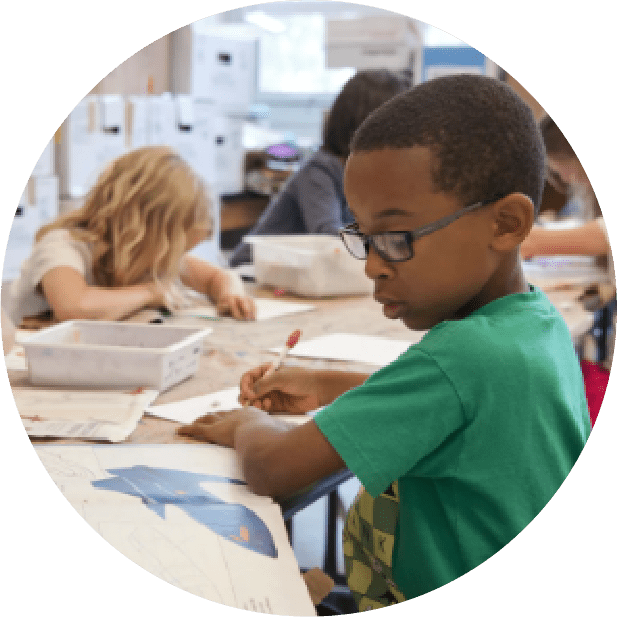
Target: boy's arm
(278, 459)
(224, 289)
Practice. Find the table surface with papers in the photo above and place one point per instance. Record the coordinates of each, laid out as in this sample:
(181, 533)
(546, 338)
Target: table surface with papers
(234, 347)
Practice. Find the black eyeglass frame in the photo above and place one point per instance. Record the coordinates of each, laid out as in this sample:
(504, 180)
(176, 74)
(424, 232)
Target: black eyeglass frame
(409, 236)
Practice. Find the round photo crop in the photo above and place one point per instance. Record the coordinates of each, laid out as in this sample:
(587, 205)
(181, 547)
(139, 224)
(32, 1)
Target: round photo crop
(357, 181)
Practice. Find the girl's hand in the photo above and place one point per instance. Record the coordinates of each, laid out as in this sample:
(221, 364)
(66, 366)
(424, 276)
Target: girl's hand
(158, 295)
(291, 390)
(238, 306)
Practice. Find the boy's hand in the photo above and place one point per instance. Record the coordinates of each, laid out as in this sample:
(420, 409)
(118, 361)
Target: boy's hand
(238, 306)
(220, 427)
(291, 390)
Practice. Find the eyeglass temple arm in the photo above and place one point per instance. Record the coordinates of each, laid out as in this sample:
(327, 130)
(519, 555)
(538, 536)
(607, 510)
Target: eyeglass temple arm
(444, 222)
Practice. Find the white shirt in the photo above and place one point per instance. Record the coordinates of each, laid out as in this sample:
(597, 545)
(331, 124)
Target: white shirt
(56, 248)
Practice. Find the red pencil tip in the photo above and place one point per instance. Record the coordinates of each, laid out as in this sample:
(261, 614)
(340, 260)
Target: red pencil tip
(293, 338)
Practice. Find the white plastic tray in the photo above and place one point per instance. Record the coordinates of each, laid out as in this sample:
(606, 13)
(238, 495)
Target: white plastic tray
(308, 265)
(112, 354)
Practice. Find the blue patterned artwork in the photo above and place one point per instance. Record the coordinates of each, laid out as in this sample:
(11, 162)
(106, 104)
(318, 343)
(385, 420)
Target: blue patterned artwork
(159, 488)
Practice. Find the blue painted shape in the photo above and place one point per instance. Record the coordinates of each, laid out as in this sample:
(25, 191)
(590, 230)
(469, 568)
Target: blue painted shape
(160, 487)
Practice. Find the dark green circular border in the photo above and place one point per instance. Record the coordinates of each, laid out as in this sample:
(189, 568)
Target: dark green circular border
(53, 54)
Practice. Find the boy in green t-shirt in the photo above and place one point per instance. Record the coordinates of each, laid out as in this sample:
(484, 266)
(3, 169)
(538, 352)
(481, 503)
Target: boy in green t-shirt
(462, 440)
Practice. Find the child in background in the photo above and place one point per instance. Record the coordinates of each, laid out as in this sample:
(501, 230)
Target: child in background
(124, 249)
(591, 238)
(567, 175)
(461, 441)
(312, 201)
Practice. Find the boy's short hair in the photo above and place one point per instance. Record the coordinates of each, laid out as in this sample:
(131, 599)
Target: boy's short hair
(483, 135)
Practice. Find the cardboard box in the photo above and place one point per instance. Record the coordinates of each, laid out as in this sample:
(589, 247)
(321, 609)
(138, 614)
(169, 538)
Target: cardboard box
(221, 70)
(45, 165)
(229, 155)
(111, 354)
(77, 162)
(384, 41)
(43, 195)
(150, 120)
(21, 238)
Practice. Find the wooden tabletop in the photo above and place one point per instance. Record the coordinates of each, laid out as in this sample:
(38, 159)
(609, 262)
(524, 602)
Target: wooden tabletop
(234, 347)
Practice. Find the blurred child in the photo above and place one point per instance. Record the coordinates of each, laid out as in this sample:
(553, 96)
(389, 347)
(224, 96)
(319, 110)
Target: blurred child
(126, 247)
(567, 175)
(461, 441)
(312, 201)
(590, 238)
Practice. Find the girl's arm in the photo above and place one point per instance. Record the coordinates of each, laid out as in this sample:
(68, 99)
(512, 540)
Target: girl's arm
(70, 297)
(588, 239)
(224, 289)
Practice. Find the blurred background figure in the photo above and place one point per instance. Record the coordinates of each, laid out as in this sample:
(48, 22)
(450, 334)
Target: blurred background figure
(312, 201)
(587, 237)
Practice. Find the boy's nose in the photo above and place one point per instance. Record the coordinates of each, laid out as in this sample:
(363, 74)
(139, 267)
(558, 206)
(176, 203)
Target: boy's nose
(375, 267)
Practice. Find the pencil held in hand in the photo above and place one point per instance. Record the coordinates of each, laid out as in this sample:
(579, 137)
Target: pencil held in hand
(292, 339)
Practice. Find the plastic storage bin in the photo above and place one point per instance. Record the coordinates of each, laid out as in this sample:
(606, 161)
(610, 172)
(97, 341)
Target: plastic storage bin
(308, 265)
(110, 354)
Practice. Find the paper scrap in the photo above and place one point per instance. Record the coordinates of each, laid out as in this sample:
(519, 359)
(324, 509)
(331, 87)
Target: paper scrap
(85, 414)
(368, 349)
(189, 410)
(266, 309)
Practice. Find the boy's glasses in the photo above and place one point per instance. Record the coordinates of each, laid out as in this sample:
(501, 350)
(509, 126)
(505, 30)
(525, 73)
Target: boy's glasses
(397, 245)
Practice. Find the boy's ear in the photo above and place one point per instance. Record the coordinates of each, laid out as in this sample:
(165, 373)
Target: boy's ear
(513, 218)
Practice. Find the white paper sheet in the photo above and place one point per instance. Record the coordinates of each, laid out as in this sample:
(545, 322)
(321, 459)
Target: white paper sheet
(367, 349)
(184, 513)
(85, 414)
(189, 410)
(266, 309)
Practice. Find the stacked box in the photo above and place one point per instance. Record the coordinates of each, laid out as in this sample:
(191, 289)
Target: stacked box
(213, 68)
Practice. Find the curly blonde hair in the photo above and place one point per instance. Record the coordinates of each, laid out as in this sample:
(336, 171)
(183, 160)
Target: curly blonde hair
(137, 216)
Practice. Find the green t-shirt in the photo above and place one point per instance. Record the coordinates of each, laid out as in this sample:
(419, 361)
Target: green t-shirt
(480, 423)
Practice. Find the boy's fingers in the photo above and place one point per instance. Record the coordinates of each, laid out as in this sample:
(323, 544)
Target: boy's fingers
(268, 383)
(197, 431)
(210, 418)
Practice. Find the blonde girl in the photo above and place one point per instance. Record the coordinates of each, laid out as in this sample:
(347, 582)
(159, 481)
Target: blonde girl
(126, 248)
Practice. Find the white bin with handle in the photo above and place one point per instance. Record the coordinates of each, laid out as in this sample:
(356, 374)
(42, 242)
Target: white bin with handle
(111, 354)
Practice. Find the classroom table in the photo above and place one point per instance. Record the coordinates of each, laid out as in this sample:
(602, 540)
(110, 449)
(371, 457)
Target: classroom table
(233, 347)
